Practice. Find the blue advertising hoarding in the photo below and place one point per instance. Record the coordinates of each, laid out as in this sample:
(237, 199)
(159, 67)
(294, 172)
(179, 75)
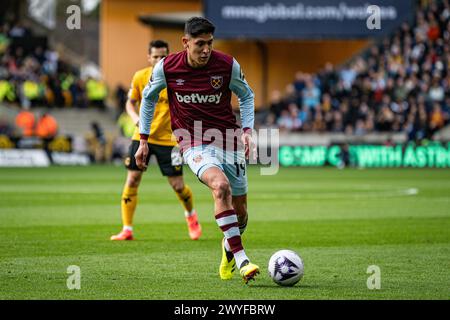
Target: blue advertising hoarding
(306, 19)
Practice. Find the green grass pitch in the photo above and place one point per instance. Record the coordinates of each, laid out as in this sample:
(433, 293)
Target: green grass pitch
(339, 221)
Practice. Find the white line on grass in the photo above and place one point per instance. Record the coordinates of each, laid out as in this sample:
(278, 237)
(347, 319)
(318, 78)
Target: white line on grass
(337, 195)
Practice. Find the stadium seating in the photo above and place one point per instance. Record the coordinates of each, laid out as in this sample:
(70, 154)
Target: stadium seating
(400, 84)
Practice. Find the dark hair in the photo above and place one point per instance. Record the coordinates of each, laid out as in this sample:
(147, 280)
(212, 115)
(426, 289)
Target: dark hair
(196, 26)
(158, 44)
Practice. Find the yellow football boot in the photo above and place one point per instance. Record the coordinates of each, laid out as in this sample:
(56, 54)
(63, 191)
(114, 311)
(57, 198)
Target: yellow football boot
(227, 265)
(249, 271)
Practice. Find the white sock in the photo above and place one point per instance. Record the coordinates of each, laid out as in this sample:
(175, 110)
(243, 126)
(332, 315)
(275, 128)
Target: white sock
(188, 214)
(129, 228)
(240, 257)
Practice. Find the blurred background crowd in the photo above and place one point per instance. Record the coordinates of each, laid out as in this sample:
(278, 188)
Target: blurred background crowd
(33, 75)
(399, 84)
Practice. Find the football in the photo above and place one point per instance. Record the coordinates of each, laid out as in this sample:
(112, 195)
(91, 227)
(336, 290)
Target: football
(285, 267)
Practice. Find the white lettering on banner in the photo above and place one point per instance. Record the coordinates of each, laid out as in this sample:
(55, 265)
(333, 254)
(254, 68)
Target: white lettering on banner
(70, 159)
(199, 98)
(23, 158)
(280, 11)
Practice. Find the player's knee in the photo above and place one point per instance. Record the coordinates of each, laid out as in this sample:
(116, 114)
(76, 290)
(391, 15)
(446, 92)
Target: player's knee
(177, 185)
(134, 180)
(178, 188)
(221, 189)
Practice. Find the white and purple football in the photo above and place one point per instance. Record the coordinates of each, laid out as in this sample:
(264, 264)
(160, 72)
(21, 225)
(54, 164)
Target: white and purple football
(285, 268)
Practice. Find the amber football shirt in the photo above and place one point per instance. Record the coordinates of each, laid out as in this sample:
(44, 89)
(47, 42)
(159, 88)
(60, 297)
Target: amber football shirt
(160, 131)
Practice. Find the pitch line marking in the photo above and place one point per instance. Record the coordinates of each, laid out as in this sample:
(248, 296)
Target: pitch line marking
(385, 193)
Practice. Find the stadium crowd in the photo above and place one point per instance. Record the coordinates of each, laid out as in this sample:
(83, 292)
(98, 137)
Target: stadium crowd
(401, 84)
(31, 74)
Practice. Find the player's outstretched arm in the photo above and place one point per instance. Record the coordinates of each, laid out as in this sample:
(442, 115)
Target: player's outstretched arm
(240, 87)
(149, 98)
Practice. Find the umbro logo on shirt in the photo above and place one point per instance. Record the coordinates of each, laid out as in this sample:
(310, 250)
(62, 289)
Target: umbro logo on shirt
(180, 82)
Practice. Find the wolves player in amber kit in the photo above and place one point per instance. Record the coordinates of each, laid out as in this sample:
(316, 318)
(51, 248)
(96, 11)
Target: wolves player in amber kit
(160, 144)
(199, 82)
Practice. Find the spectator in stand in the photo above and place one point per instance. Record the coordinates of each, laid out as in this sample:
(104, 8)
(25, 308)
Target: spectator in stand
(328, 77)
(121, 96)
(311, 95)
(434, 31)
(19, 30)
(7, 92)
(305, 116)
(446, 105)
(5, 127)
(270, 121)
(126, 125)
(437, 119)
(337, 122)
(299, 82)
(385, 118)
(284, 121)
(98, 144)
(46, 127)
(436, 92)
(79, 93)
(327, 103)
(291, 95)
(348, 75)
(396, 85)
(97, 92)
(26, 122)
(289, 120)
(319, 123)
(417, 123)
(296, 123)
(4, 40)
(39, 76)
(277, 105)
(360, 128)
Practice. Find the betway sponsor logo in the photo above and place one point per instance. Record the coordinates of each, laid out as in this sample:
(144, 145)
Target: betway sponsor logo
(199, 98)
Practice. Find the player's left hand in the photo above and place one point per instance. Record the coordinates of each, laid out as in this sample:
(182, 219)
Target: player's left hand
(249, 145)
(141, 155)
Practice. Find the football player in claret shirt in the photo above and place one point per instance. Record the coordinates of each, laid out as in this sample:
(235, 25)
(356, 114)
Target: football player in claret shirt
(200, 82)
(161, 144)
